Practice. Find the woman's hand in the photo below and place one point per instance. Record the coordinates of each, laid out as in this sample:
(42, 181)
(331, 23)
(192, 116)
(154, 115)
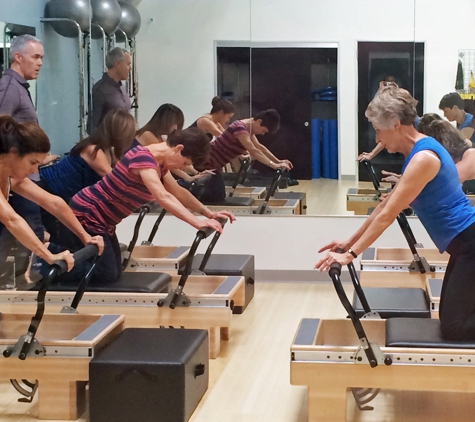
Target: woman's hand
(286, 162)
(96, 240)
(390, 177)
(222, 214)
(334, 245)
(280, 165)
(211, 223)
(200, 175)
(365, 156)
(332, 257)
(66, 256)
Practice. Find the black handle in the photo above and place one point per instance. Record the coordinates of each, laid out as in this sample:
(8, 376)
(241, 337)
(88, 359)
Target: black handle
(372, 175)
(207, 231)
(79, 257)
(58, 268)
(143, 212)
(202, 234)
(335, 272)
(211, 246)
(240, 175)
(156, 225)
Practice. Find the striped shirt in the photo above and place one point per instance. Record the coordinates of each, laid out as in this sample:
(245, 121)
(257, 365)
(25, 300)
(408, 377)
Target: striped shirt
(226, 146)
(100, 207)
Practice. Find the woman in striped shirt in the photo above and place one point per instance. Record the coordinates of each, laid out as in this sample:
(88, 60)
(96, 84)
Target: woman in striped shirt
(141, 176)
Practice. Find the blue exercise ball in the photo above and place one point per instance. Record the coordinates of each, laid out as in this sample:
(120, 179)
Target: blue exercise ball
(130, 21)
(77, 10)
(107, 14)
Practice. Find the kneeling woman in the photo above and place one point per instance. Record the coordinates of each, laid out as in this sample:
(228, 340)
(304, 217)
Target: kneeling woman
(23, 146)
(429, 184)
(141, 176)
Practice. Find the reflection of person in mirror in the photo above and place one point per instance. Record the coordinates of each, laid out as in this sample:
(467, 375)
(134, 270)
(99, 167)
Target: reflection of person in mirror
(240, 138)
(109, 93)
(389, 80)
(453, 107)
(429, 184)
(216, 120)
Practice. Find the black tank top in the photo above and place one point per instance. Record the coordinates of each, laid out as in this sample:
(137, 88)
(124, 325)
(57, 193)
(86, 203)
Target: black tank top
(195, 124)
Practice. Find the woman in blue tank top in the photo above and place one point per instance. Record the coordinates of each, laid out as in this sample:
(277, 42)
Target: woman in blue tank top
(431, 186)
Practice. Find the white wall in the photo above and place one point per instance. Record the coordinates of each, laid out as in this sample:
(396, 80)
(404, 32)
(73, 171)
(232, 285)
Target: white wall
(176, 54)
(278, 243)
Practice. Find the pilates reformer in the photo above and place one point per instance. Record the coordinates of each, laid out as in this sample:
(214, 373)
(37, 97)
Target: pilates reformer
(268, 205)
(145, 258)
(56, 349)
(236, 189)
(149, 299)
(403, 354)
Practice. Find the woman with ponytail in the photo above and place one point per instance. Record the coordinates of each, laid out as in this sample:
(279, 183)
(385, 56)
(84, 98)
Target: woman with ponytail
(214, 123)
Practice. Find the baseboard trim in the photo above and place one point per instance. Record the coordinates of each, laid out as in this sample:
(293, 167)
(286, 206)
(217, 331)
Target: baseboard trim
(297, 276)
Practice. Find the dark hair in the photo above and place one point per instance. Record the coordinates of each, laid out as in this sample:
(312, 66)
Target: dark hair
(270, 119)
(449, 137)
(23, 138)
(450, 100)
(196, 144)
(166, 116)
(220, 104)
(116, 130)
(426, 120)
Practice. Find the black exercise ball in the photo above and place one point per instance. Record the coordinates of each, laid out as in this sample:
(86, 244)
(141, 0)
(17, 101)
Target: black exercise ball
(106, 13)
(77, 10)
(130, 21)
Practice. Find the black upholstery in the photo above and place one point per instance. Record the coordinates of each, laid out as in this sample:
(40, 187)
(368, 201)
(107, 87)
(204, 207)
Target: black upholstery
(154, 374)
(420, 333)
(394, 302)
(133, 282)
(235, 201)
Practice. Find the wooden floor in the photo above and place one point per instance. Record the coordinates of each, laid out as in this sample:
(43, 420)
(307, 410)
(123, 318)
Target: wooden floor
(327, 196)
(250, 380)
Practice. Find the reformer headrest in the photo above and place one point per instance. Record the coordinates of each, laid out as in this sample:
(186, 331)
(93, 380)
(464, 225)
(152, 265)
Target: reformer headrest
(420, 333)
(133, 282)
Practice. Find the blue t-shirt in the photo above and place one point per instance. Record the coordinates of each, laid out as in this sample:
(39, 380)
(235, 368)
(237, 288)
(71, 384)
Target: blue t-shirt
(466, 122)
(442, 207)
(68, 176)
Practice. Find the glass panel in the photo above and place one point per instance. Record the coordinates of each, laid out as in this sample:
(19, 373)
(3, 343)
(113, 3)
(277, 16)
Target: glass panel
(305, 63)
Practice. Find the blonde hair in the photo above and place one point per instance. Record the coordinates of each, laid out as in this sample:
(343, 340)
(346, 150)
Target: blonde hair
(392, 103)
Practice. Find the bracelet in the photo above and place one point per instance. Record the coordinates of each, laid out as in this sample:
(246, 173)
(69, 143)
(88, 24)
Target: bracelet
(352, 252)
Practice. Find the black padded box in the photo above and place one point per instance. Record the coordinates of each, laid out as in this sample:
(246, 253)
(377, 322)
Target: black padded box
(392, 302)
(149, 375)
(230, 265)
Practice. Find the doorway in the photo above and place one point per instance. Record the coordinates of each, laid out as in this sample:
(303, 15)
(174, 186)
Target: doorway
(282, 78)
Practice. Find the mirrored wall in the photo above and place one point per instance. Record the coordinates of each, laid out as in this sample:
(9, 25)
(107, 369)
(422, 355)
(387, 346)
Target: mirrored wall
(317, 63)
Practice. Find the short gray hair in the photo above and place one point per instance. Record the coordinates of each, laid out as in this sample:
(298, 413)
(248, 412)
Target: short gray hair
(392, 103)
(115, 55)
(19, 43)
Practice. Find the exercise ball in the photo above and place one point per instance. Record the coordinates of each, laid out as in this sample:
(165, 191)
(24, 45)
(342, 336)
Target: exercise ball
(134, 2)
(130, 21)
(77, 10)
(107, 14)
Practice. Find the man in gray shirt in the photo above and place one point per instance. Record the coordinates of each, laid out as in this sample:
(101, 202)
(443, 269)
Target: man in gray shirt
(109, 93)
(26, 54)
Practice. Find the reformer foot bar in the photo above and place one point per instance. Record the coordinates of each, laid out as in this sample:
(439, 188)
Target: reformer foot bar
(332, 356)
(148, 257)
(149, 300)
(55, 351)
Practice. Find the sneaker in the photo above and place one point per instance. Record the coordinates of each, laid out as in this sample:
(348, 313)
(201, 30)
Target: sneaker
(293, 182)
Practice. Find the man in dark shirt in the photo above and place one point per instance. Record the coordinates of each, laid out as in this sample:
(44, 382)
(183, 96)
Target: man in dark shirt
(109, 93)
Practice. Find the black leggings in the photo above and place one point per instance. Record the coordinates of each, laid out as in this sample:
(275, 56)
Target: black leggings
(457, 301)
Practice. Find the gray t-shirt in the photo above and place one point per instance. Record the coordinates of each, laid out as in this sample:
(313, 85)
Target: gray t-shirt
(15, 98)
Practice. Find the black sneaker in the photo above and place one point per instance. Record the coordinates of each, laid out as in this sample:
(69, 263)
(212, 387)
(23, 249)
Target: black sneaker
(293, 182)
